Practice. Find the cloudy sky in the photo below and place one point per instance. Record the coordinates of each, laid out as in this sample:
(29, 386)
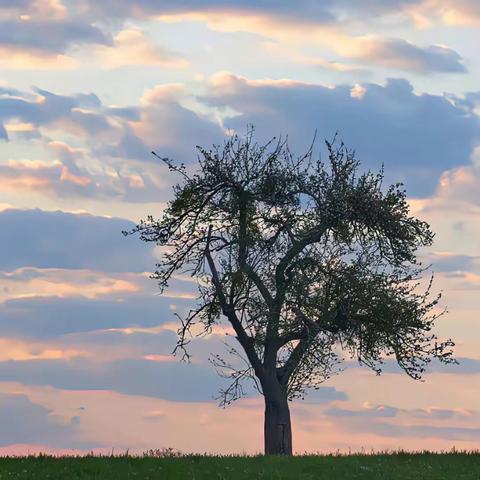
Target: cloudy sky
(89, 88)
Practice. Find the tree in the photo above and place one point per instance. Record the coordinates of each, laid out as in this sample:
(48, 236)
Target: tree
(305, 260)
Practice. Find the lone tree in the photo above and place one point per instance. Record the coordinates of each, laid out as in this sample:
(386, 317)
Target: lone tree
(305, 260)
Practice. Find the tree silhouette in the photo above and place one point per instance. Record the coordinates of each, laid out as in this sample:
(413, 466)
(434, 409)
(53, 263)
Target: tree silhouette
(305, 260)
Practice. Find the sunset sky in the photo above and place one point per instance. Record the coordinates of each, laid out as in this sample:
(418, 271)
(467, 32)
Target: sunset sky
(89, 88)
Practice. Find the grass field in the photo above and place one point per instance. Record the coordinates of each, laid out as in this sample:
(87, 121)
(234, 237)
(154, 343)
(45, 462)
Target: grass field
(401, 466)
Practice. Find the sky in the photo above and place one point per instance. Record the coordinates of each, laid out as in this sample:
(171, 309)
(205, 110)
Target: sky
(89, 88)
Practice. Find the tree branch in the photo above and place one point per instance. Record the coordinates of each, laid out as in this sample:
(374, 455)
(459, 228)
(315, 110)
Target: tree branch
(267, 296)
(312, 236)
(245, 340)
(312, 328)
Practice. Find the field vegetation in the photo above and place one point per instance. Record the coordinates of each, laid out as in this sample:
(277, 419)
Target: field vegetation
(169, 465)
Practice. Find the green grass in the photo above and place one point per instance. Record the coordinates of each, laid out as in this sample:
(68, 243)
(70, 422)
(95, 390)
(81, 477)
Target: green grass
(401, 466)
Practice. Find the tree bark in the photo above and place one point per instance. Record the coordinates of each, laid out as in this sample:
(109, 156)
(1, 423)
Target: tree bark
(277, 427)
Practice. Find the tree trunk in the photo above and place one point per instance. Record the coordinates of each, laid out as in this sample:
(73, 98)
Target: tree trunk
(278, 429)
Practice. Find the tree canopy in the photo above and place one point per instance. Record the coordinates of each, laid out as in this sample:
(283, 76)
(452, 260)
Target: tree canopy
(308, 260)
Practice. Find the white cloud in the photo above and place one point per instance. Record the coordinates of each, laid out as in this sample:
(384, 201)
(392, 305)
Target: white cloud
(131, 47)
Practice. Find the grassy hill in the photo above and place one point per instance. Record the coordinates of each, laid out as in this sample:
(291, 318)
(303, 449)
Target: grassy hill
(401, 466)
